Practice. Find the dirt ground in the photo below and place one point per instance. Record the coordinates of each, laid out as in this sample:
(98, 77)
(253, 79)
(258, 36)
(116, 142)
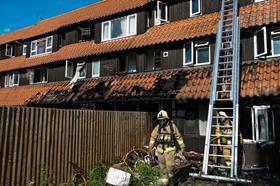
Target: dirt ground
(258, 179)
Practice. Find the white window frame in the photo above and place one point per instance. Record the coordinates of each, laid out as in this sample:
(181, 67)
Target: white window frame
(256, 1)
(46, 47)
(184, 54)
(202, 45)
(98, 62)
(256, 44)
(255, 125)
(110, 28)
(159, 20)
(24, 46)
(199, 8)
(274, 34)
(6, 50)
(66, 69)
(10, 77)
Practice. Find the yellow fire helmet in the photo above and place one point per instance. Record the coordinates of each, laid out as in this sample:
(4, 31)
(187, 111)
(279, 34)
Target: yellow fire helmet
(221, 113)
(162, 115)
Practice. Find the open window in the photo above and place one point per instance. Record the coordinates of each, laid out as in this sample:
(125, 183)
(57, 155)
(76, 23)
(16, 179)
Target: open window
(39, 75)
(202, 53)
(275, 43)
(81, 70)
(12, 79)
(69, 69)
(96, 68)
(262, 124)
(153, 60)
(132, 63)
(161, 13)
(260, 42)
(9, 50)
(195, 7)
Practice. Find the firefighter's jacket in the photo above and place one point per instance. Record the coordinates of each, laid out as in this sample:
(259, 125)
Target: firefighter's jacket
(165, 140)
(226, 131)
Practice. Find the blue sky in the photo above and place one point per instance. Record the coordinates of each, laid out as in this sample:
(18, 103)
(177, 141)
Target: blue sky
(17, 14)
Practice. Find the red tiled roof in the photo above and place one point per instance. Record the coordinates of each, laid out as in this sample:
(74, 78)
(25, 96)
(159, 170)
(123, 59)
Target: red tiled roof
(257, 80)
(17, 96)
(175, 31)
(180, 30)
(87, 13)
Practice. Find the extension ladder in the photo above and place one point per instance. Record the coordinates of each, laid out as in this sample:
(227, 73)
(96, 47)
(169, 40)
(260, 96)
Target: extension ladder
(224, 97)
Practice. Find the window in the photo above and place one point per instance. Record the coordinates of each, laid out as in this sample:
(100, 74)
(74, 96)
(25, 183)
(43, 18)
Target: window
(153, 60)
(96, 68)
(201, 55)
(195, 7)
(188, 53)
(132, 63)
(260, 40)
(275, 43)
(38, 75)
(119, 28)
(9, 50)
(81, 70)
(12, 79)
(262, 124)
(42, 46)
(69, 69)
(24, 48)
(161, 13)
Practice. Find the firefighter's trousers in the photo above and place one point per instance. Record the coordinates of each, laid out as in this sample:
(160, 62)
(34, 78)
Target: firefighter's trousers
(167, 166)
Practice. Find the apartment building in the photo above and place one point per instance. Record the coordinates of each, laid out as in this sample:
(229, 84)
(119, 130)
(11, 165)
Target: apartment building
(144, 55)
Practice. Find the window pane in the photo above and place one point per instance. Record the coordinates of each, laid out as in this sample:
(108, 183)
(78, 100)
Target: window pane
(262, 124)
(95, 68)
(276, 45)
(132, 60)
(132, 25)
(49, 41)
(260, 42)
(9, 50)
(162, 12)
(203, 55)
(70, 69)
(16, 78)
(41, 47)
(24, 49)
(33, 45)
(119, 27)
(188, 53)
(106, 31)
(195, 6)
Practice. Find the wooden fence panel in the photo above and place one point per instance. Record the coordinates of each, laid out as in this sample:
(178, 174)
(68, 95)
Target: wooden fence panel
(37, 144)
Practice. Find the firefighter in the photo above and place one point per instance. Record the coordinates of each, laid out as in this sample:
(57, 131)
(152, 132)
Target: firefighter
(222, 140)
(167, 140)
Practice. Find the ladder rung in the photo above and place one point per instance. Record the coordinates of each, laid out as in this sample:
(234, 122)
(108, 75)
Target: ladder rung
(228, 117)
(219, 145)
(217, 155)
(224, 91)
(226, 49)
(225, 37)
(221, 84)
(222, 135)
(215, 126)
(228, 76)
(223, 108)
(228, 99)
(226, 56)
(224, 63)
(225, 69)
(219, 166)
